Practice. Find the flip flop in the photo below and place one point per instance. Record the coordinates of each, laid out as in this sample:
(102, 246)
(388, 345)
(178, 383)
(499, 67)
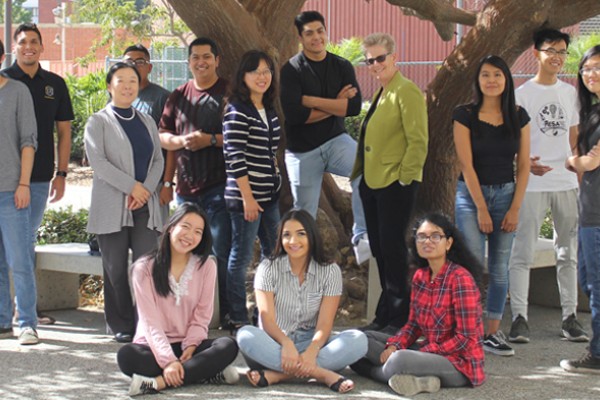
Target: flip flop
(338, 384)
(262, 382)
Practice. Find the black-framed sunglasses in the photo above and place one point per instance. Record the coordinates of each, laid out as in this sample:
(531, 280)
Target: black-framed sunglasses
(379, 59)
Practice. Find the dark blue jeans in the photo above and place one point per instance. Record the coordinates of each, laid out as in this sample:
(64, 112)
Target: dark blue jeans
(589, 278)
(243, 234)
(213, 202)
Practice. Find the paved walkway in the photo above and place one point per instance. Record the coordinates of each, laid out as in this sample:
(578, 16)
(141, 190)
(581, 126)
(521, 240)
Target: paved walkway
(76, 360)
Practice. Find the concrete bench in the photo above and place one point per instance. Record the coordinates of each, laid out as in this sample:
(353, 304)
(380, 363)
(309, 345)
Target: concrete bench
(58, 267)
(543, 289)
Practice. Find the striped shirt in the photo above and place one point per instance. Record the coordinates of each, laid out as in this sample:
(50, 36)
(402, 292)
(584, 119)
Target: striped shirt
(297, 306)
(249, 146)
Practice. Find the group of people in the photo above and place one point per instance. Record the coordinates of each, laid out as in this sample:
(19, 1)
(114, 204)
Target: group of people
(517, 151)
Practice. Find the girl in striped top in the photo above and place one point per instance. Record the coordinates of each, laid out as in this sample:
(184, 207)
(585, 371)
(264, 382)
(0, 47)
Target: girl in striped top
(250, 139)
(297, 295)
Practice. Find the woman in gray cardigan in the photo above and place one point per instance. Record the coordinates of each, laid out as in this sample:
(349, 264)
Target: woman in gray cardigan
(123, 148)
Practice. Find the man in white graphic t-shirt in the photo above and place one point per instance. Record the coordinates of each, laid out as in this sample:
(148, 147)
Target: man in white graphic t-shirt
(552, 105)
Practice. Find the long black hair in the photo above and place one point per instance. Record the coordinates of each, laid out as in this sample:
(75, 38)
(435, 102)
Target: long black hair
(589, 110)
(459, 252)
(510, 115)
(248, 63)
(315, 246)
(162, 255)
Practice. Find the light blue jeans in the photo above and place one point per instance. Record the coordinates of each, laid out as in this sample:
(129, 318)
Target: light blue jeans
(261, 351)
(498, 199)
(39, 198)
(213, 202)
(243, 234)
(16, 254)
(589, 278)
(305, 173)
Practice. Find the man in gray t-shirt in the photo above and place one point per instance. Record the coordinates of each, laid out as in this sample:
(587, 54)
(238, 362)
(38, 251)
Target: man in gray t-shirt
(19, 142)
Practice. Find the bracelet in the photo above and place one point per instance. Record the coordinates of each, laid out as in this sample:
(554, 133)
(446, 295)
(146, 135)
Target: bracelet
(61, 173)
(24, 184)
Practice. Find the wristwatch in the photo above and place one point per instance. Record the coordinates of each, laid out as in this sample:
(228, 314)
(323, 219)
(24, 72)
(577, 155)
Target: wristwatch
(61, 173)
(168, 184)
(213, 140)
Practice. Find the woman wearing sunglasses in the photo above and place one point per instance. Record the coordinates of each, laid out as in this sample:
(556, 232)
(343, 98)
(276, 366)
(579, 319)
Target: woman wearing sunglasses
(391, 153)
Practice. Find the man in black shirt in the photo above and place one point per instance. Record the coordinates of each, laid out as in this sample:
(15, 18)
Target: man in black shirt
(52, 106)
(319, 89)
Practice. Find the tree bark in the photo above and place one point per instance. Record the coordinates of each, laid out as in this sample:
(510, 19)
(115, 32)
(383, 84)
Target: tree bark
(239, 26)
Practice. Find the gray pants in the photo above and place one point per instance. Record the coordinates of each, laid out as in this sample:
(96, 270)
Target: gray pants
(119, 310)
(409, 362)
(564, 213)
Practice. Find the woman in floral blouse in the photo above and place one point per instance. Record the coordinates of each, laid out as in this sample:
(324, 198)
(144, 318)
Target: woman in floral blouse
(445, 309)
(174, 288)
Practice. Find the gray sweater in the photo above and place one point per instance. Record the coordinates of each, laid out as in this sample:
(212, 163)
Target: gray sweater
(17, 130)
(111, 157)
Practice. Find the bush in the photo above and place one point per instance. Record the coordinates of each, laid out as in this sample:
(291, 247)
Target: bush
(88, 95)
(577, 49)
(353, 123)
(547, 229)
(350, 49)
(64, 226)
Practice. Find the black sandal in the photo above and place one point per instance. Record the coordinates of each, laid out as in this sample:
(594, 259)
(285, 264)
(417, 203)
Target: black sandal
(338, 384)
(262, 382)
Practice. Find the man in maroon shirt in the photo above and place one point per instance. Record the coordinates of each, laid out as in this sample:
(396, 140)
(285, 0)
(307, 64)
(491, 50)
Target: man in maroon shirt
(190, 128)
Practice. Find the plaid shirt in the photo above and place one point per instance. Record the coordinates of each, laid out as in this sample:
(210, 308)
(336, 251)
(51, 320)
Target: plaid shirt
(447, 312)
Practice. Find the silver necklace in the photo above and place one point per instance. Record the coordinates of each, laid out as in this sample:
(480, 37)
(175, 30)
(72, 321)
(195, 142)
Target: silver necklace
(122, 117)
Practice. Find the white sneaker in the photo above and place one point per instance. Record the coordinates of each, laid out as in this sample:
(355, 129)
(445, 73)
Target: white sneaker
(362, 250)
(28, 336)
(229, 375)
(142, 385)
(409, 385)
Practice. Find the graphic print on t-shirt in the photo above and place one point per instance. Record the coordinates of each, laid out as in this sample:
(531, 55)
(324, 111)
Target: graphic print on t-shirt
(552, 120)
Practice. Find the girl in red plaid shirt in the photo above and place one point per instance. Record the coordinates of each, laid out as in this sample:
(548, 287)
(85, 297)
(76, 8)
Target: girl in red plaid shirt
(445, 310)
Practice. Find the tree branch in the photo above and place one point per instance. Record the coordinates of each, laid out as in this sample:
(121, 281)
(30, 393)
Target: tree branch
(436, 11)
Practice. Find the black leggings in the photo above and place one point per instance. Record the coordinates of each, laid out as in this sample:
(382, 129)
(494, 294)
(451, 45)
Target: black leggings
(211, 357)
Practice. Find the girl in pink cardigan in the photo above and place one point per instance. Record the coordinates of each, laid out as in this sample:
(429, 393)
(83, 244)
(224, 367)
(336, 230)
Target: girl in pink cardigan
(174, 290)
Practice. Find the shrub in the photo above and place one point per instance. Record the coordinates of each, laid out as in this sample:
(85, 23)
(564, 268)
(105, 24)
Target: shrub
(547, 229)
(88, 95)
(64, 226)
(350, 49)
(353, 123)
(577, 49)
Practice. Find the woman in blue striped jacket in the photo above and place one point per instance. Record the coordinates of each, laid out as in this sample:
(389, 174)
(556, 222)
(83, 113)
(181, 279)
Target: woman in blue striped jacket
(250, 138)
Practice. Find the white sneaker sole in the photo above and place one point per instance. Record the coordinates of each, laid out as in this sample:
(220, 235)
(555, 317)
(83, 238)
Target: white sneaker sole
(566, 365)
(518, 339)
(503, 353)
(577, 339)
(409, 385)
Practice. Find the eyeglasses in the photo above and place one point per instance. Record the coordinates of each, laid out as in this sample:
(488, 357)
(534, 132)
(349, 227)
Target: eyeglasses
(553, 52)
(140, 62)
(433, 238)
(589, 70)
(379, 59)
(265, 72)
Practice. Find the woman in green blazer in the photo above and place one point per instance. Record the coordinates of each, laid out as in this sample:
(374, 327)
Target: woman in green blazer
(391, 154)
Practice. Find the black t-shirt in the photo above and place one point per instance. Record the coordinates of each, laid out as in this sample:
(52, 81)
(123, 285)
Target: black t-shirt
(52, 103)
(301, 76)
(493, 147)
